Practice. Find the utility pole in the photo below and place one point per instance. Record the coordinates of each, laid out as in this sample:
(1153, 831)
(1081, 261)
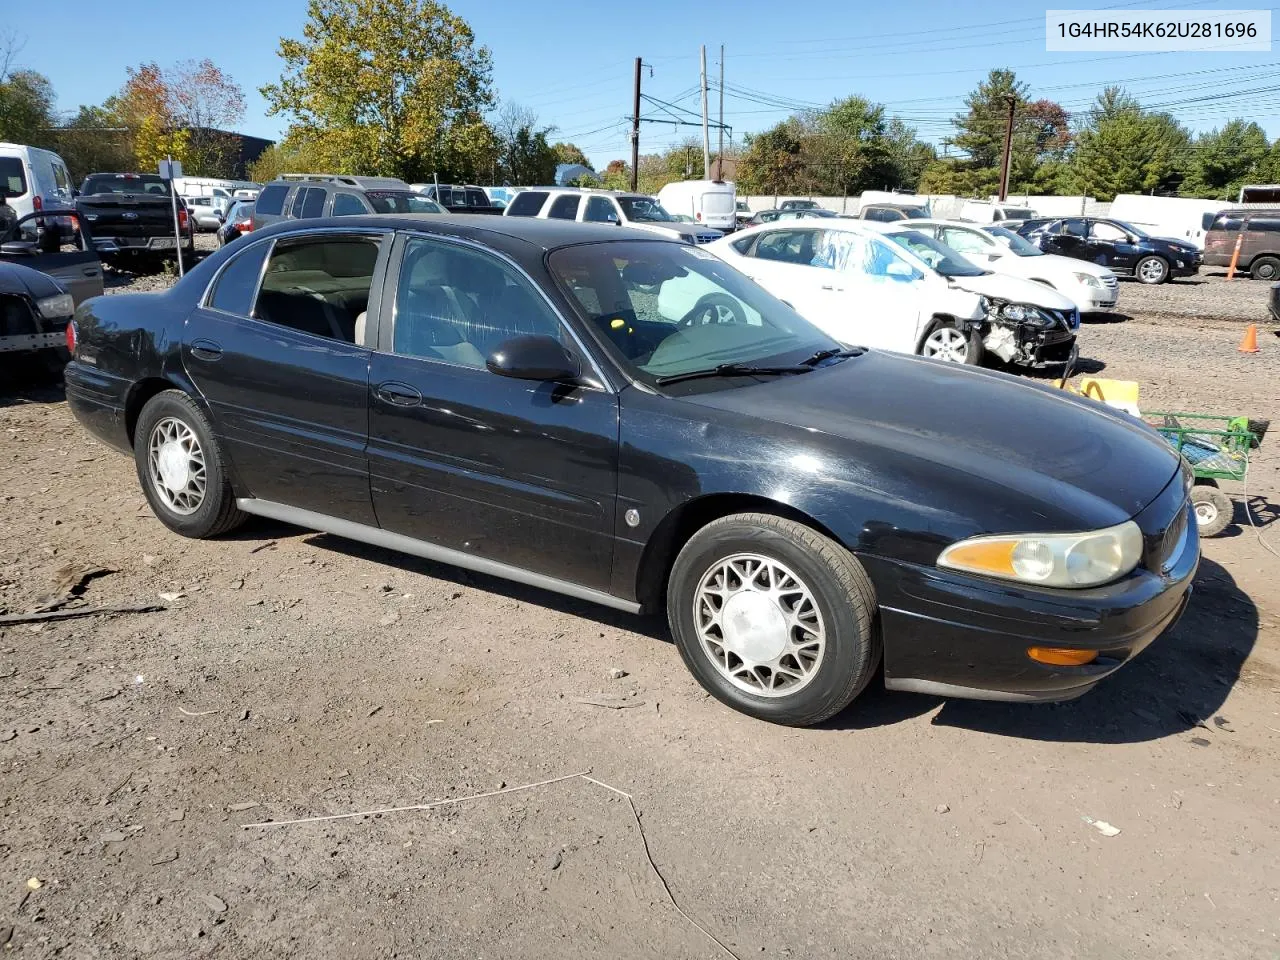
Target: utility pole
(706, 132)
(635, 132)
(1007, 160)
(720, 146)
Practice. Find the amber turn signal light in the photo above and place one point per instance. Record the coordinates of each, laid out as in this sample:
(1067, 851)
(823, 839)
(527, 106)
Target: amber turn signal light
(1062, 656)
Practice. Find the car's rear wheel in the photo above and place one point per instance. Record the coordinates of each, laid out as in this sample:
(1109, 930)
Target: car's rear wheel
(1152, 270)
(948, 342)
(180, 468)
(773, 618)
(1213, 510)
(1265, 268)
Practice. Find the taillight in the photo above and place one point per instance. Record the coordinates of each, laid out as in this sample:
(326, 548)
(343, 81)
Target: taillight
(37, 202)
(698, 216)
(182, 218)
(71, 337)
(245, 226)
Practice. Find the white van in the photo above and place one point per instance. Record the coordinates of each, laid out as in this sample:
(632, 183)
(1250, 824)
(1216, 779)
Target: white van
(33, 179)
(711, 203)
(992, 211)
(223, 192)
(1176, 218)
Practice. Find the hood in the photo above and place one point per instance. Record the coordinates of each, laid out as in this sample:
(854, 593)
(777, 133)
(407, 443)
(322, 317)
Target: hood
(1183, 245)
(1016, 455)
(1003, 286)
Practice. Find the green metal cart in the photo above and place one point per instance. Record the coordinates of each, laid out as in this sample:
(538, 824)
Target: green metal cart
(1217, 448)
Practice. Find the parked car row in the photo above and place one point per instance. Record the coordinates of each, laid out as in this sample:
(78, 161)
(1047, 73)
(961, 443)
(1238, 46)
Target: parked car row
(1119, 246)
(624, 417)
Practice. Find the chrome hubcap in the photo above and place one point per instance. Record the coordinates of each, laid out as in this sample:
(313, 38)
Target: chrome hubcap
(1152, 270)
(947, 343)
(759, 625)
(1206, 513)
(175, 465)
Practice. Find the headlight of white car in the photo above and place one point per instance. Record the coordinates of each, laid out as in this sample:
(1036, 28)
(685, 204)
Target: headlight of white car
(1016, 313)
(56, 307)
(1088, 279)
(1050, 559)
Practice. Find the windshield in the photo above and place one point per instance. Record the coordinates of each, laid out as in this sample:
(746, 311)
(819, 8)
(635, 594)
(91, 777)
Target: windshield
(401, 201)
(913, 213)
(126, 183)
(939, 256)
(644, 209)
(1131, 228)
(1019, 245)
(664, 309)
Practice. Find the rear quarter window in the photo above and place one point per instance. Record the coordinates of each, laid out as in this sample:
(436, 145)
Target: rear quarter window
(13, 179)
(235, 287)
(271, 200)
(1265, 224)
(527, 203)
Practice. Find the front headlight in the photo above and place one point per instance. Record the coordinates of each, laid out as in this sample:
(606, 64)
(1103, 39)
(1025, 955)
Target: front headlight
(1050, 559)
(1088, 279)
(56, 307)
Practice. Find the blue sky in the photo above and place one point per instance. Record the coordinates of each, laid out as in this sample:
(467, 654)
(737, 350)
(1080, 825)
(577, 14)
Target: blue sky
(574, 68)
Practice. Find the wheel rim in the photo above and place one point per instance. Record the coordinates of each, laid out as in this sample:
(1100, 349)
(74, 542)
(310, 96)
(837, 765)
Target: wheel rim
(1152, 270)
(1206, 513)
(1266, 271)
(176, 466)
(947, 343)
(759, 625)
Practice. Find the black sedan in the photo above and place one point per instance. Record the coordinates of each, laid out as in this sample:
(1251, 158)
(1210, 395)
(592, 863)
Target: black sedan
(35, 310)
(1119, 246)
(238, 222)
(517, 397)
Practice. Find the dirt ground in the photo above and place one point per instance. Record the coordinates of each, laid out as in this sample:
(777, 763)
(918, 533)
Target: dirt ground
(294, 675)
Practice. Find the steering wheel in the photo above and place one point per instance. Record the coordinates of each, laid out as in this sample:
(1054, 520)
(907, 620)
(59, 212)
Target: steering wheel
(714, 308)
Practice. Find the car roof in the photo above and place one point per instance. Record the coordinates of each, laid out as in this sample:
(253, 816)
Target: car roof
(537, 232)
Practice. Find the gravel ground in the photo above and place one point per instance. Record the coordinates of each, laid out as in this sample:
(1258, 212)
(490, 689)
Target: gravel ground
(292, 675)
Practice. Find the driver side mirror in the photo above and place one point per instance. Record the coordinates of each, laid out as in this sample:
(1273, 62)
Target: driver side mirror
(901, 271)
(533, 358)
(18, 248)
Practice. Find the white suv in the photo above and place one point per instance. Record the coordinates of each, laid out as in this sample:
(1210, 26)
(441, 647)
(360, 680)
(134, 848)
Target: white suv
(606, 206)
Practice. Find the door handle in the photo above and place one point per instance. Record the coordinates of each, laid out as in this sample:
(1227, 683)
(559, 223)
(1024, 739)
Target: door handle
(90, 271)
(400, 394)
(206, 350)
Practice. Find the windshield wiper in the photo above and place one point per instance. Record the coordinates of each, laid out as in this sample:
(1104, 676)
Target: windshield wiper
(832, 353)
(732, 370)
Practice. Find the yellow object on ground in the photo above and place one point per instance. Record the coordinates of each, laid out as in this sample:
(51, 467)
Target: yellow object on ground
(1121, 394)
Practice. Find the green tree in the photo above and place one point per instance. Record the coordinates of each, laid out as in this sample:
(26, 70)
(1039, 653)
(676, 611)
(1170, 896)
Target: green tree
(846, 148)
(94, 142)
(527, 158)
(908, 155)
(569, 153)
(26, 107)
(1124, 149)
(396, 87)
(617, 175)
(772, 161)
(1224, 160)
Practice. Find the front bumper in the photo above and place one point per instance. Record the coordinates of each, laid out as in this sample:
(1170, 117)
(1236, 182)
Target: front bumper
(954, 635)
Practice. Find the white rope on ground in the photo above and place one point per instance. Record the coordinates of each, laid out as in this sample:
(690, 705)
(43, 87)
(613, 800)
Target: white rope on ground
(1248, 512)
(635, 813)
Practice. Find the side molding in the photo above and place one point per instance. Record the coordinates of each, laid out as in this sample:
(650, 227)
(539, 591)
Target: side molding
(394, 541)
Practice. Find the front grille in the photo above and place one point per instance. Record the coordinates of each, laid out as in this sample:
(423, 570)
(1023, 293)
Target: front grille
(1111, 283)
(16, 317)
(705, 237)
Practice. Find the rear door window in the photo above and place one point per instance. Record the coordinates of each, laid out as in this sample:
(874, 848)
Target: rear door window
(476, 198)
(313, 205)
(788, 246)
(318, 285)
(527, 203)
(564, 207)
(271, 200)
(1265, 224)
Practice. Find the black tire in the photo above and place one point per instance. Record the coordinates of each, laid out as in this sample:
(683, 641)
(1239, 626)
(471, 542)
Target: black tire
(1213, 510)
(840, 589)
(217, 512)
(1265, 268)
(973, 350)
(1151, 270)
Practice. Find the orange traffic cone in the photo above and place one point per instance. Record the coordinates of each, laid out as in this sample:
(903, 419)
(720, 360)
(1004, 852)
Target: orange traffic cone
(1249, 343)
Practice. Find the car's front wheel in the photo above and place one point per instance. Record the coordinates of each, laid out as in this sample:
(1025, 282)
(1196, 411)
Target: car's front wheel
(948, 342)
(180, 468)
(773, 618)
(1152, 270)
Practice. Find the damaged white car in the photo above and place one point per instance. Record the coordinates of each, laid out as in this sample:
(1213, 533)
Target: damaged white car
(887, 286)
